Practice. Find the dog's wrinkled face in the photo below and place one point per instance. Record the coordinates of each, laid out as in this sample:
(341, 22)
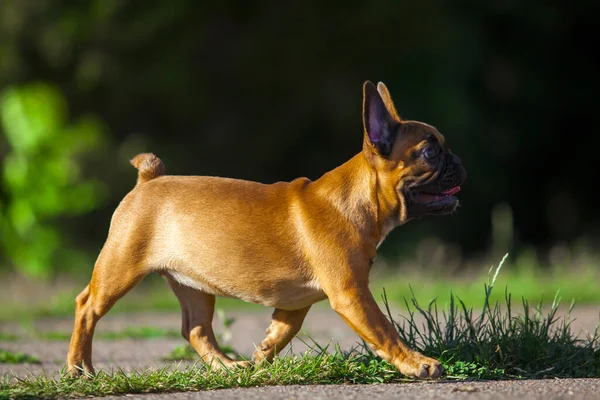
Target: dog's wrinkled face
(417, 174)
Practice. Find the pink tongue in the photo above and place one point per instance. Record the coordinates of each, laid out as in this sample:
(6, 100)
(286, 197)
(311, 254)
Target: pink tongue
(452, 192)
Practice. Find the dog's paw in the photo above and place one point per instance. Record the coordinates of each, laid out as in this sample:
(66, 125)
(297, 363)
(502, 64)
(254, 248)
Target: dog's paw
(76, 370)
(228, 365)
(243, 364)
(418, 366)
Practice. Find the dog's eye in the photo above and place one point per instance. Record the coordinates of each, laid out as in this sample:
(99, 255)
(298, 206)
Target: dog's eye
(430, 152)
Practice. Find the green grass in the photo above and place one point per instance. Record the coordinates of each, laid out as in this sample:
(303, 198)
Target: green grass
(184, 352)
(496, 343)
(530, 343)
(8, 357)
(8, 337)
(142, 332)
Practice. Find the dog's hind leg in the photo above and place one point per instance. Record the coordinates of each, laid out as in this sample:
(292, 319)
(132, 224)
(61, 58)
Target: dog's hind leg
(197, 309)
(111, 279)
(284, 326)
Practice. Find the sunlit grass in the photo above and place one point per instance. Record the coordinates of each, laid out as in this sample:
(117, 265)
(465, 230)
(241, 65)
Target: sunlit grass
(528, 342)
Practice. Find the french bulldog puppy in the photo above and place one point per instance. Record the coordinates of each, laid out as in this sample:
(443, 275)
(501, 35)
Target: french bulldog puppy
(285, 245)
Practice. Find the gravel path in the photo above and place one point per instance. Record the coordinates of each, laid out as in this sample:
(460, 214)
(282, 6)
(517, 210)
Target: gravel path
(522, 390)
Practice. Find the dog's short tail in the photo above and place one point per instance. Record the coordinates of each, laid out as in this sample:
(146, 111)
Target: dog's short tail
(149, 167)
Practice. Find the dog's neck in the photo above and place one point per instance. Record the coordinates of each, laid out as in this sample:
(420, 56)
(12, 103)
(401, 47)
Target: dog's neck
(351, 188)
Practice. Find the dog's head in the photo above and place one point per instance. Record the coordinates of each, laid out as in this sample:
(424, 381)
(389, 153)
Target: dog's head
(417, 174)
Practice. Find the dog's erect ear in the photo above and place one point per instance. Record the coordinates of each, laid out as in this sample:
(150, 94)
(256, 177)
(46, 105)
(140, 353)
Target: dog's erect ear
(387, 99)
(380, 125)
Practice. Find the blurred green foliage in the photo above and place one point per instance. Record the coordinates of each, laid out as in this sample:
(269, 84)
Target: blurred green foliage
(42, 178)
(271, 90)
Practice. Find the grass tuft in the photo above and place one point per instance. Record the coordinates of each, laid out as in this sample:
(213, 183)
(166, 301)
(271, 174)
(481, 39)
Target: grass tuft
(499, 343)
(8, 357)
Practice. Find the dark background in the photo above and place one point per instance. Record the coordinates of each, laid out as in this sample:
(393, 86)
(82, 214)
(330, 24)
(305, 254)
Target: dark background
(271, 91)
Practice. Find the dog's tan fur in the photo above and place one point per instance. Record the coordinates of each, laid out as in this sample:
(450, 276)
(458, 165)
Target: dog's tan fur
(285, 245)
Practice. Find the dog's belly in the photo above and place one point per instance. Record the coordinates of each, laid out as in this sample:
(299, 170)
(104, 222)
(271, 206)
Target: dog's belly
(296, 296)
(287, 294)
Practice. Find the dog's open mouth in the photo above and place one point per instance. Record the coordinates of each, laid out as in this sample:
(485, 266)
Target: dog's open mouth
(427, 197)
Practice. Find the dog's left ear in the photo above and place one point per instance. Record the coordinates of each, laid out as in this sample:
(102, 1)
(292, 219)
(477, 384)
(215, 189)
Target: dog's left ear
(380, 124)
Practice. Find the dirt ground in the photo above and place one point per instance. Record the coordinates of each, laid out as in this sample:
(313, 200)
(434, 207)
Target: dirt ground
(322, 324)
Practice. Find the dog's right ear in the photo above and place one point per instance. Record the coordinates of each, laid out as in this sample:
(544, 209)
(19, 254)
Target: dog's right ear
(387, 99)
(380, 126)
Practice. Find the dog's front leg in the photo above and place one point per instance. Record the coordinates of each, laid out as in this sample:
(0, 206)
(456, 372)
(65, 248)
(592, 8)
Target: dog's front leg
(358, 308)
